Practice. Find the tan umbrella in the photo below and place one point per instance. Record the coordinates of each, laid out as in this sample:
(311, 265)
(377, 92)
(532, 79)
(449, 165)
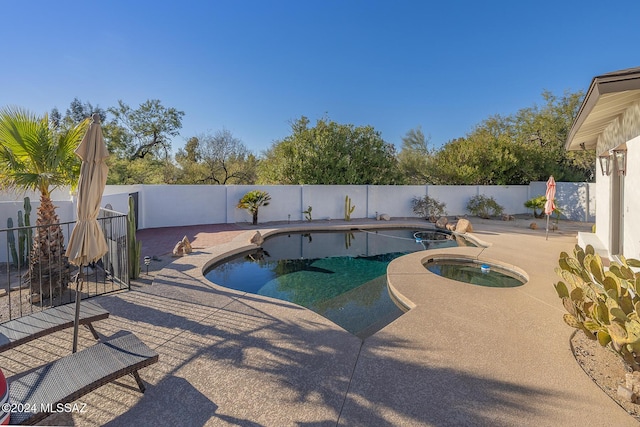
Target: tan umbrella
(87, 243)
(549, 205)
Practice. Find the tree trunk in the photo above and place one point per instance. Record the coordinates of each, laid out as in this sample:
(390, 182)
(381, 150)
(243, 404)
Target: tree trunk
(49, 271)
(255, 217)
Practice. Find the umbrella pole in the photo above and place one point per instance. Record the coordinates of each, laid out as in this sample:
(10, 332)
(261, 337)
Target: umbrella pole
(76, 323)
(547, 233)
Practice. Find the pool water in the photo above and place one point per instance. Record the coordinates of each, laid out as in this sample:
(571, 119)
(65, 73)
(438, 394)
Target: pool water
(340, 275)
(475, 273)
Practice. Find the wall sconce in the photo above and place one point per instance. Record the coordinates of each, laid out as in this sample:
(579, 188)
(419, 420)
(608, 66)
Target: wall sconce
(605, 161)
(620, 157)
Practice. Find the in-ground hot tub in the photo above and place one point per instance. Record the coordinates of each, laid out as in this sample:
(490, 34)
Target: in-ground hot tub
(475, 272)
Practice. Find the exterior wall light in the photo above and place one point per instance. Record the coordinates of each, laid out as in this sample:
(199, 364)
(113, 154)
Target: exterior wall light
(605, 161)
(621, 161)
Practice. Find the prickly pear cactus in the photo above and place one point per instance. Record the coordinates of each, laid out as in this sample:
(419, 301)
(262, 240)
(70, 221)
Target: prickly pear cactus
(603, 303)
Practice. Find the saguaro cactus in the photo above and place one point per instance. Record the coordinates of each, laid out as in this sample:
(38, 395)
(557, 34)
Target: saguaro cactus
(22, 239)
(134, 246)
(11, 239)
(28, 231)
(348, 208)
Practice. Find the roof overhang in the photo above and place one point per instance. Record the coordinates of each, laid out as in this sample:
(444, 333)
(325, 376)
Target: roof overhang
(608, 97)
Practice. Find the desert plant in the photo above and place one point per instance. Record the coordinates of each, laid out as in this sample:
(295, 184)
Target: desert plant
(28, 235)
(252, 201)
(536, 203)
(22, 239)
(135, 246)
(348, 208)
(19, 253)
(348, 238)
(36, 155)
(484, 206)
(605, 305)
(11, 240)
(307, 214)
(428, 208)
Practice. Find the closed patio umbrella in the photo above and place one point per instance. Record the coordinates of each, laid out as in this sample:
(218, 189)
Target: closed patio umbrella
(549, 205)
(87, 243)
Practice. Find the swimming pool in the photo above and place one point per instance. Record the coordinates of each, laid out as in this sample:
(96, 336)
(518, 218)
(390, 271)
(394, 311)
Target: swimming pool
(340, 275)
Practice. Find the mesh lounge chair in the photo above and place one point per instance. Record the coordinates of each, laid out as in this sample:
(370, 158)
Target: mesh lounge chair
(71, 377)
(27, 328)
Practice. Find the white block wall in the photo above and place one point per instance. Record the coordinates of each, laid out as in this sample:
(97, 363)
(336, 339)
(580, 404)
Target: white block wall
(181, 205)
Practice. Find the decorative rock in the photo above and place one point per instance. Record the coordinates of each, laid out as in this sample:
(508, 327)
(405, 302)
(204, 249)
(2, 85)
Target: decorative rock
(464, 226)
(451, 227)
(460, 240)
(442, 222)
(507, 217)
(633, 382)
(178, 249)
(257, 239)
(187, 245)
(34, 298)
(533, 226)
(385, 217)
(626, 394)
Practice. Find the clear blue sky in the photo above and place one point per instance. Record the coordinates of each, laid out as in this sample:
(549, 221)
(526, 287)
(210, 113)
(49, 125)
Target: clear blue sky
(254, 66)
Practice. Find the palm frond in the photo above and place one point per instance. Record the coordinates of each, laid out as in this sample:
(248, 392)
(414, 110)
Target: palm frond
(34, 154)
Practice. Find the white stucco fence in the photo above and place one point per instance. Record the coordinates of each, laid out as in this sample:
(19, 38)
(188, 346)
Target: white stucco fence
(178, 205)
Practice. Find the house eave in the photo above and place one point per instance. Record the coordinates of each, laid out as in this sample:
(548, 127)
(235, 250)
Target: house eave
(608, 97)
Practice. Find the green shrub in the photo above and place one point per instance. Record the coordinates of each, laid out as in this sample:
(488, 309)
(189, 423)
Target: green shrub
(428, 208)
(484, 206)
(605, 305)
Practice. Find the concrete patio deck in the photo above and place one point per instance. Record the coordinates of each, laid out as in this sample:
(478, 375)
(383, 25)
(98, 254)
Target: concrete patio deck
(463, 356)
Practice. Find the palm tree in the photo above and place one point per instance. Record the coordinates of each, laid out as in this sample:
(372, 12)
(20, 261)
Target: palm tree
(35, 155)
(252, 202)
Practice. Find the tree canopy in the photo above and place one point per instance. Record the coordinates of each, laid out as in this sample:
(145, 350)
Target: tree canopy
(330, 153)
(145, 130)
(139, 141)
(517, 149)
(218, 158)
(414, 156)
(525, 146)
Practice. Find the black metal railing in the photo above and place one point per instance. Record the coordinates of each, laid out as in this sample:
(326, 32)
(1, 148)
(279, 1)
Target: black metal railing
(35, 277)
